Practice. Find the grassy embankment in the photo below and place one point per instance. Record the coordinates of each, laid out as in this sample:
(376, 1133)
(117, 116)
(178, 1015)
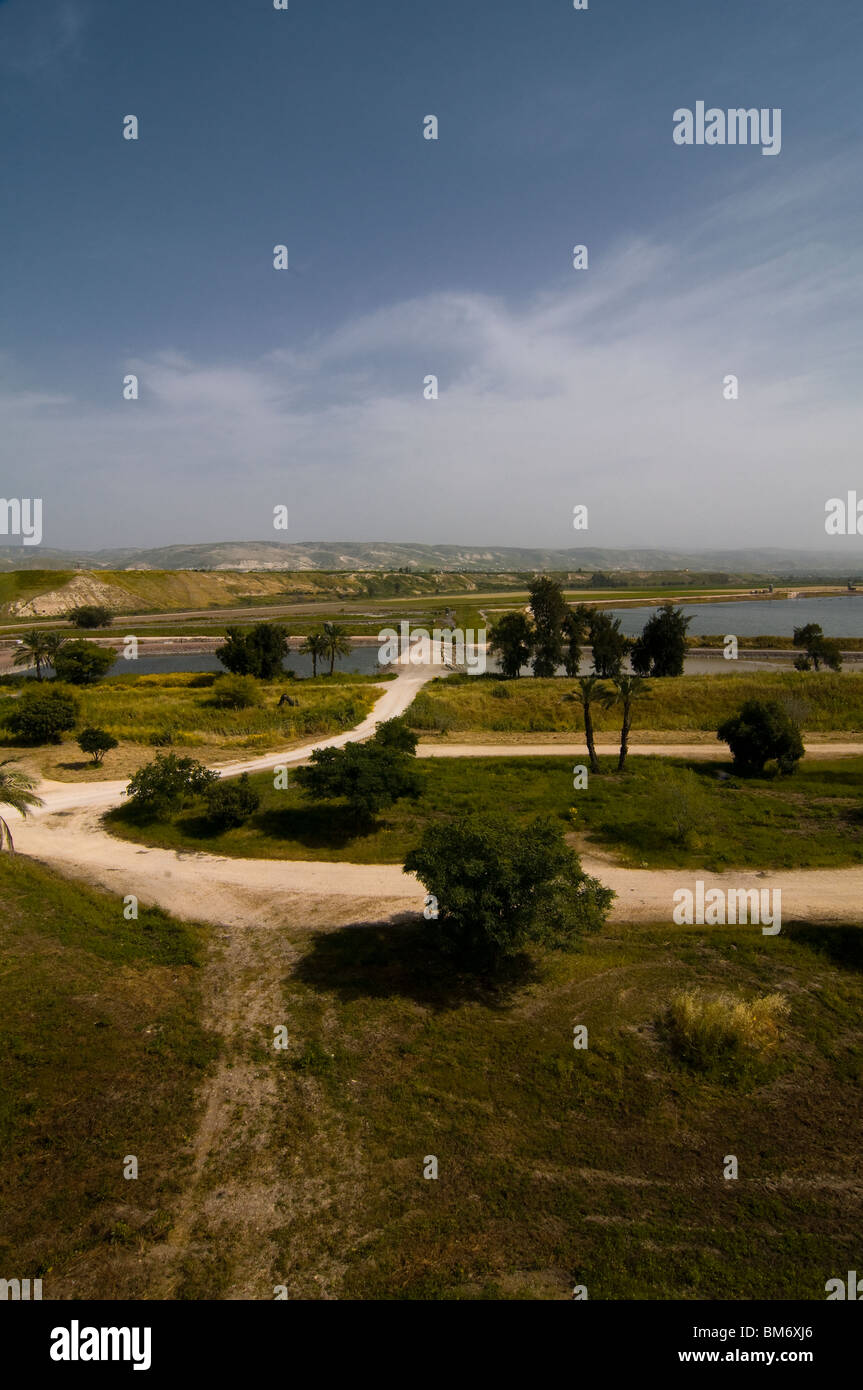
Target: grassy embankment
(822, 702)
(812, 820)
(101, 1055)
(138, 710)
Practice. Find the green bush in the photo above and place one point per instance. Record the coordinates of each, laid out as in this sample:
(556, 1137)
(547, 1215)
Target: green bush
(236, 692)
(167, 784)
(90, 615)
(96, 742)
(83, 663)
(230, 803)
(762, 732)
(42, 715)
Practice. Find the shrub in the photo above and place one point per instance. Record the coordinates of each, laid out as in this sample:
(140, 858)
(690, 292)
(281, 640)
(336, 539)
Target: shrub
(236, 692)
(230, 803)
(90, 615)
(396, 734)
(501, 692)
(96, 742)
(167, 784)
(43, 715)
(718, 1033)
(368, 776)
(762, 732)
(83, 663)
(499, 884)
(679, 803)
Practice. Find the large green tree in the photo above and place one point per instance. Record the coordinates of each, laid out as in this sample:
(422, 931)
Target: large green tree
(42, 714)
(549, 608)
(576, 625)
(254, 651)
(167, 784)
(511, 637)
(500, 884)
(609, 645)
(83, 663)
(817, 648)
(661, 648)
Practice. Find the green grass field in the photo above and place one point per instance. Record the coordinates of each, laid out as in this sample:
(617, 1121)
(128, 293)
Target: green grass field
(139, 709)
(101, 1055)
(811, 820)
(464, 704)
(560, 1167)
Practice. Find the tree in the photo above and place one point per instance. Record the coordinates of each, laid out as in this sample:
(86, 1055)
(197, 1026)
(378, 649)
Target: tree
(549, 609)
(54, 642)
(500, 884)
(761, 732)
(511, 637)
(32, 651)
(368, 776)
(661, 648)
(16, 790)
(817, 647)
(335, 642)
(315, 646)
(230, 803)
(96, 742)
(83, 663)
(90, 615)
(255, 651)
(236, 692)
(42, 715)
(590, 689)
(609, 645)
(167, 784)
(575, 628)
(397, 734)
(627, 689)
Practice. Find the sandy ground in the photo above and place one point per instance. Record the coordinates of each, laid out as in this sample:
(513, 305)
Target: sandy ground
(67, 833)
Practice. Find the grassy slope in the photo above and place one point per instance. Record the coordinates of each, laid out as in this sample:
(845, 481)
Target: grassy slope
(101, 1054)
(808, 821)
(601, 1167)
(820, 701)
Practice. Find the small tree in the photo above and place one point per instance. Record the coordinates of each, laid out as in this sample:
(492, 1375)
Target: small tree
(90, 615)
(511, 637)
(96, 742)
(500, 885)
(661, 648)
(42, 715)
(817, 647)
(762, 732)
(627, 689)
(32, 651)
(236, 692)
(367, 776)
(396, 734)
(167, 784)
(83, 663)
(609, 645)
(16, 790)
(230, 803)
(575, 628)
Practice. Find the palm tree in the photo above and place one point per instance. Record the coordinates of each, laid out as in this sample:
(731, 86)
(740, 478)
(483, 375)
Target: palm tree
(591, 688)
(16, 790)
(627, 689)
(32, 650)
(315, 646)
(335, 642)
(53, 642)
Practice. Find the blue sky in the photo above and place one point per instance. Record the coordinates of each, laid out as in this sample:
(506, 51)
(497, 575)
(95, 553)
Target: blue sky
(410, 257)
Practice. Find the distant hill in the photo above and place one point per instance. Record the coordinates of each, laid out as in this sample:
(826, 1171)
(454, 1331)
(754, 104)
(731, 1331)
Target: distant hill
(392, 555)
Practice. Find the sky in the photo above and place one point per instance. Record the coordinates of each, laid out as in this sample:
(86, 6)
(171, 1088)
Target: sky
(304, 388)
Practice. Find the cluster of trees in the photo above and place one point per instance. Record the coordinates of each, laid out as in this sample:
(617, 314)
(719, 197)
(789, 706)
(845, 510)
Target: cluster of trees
(73, 659)
(259, 650)
(367, 776)
(555, 633)
(169, 783)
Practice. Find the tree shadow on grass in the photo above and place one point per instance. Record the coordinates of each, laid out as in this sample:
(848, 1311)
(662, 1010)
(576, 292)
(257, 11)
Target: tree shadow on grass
(314, 825)
(399, 958)
(842, 945)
